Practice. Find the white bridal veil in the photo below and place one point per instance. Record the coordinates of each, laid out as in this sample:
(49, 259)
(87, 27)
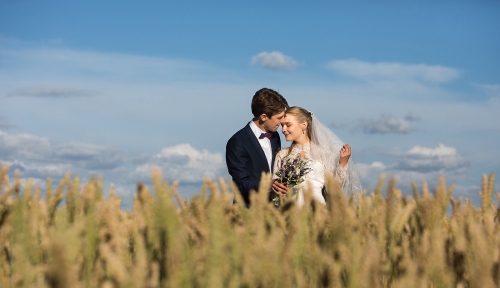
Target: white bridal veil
(326, 148)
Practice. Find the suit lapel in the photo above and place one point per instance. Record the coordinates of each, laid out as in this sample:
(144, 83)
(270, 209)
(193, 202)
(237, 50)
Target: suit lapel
(256, 144)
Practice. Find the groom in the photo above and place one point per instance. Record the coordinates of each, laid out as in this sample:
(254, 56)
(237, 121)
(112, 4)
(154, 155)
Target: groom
(252, 150)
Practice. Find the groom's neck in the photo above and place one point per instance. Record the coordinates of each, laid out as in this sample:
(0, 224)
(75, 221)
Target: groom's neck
(259, 124)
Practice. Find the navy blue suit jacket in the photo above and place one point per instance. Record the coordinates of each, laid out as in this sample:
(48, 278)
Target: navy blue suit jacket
(246, 160)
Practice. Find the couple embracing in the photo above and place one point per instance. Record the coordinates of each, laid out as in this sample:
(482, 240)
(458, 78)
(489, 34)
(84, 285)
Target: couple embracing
(257, 148)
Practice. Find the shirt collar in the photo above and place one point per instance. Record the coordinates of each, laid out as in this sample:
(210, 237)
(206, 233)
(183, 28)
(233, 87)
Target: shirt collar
(256, 130)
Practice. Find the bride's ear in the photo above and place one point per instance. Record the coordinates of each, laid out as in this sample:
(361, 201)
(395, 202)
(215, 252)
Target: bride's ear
(304, 125)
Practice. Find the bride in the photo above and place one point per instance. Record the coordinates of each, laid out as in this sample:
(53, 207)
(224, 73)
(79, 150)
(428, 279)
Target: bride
(313, 141)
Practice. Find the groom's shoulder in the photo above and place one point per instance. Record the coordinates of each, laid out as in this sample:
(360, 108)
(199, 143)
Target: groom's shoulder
(241, 133)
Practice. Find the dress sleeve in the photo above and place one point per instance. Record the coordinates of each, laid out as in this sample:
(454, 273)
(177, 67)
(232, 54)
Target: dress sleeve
(340, 173)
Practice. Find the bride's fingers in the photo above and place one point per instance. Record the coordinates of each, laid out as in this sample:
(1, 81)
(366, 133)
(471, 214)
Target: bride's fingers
(345, 150)
(279, 188)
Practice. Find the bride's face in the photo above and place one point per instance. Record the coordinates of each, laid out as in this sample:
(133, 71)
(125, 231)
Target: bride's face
(291, 128)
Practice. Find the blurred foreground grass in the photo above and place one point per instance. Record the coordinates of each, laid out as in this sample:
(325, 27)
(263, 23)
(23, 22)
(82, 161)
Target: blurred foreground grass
(396, 241)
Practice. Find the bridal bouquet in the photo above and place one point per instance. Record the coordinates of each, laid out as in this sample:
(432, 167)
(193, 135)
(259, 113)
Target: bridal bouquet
(292, 172)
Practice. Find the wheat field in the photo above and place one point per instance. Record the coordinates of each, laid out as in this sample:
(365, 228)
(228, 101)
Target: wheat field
(76, 236)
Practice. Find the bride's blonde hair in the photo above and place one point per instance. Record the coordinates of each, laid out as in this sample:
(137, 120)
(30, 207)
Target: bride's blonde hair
(302, 115)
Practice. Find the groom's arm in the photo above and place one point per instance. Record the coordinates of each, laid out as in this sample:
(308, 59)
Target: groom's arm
(237, 160)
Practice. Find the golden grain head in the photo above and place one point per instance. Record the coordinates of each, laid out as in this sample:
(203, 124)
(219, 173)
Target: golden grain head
(386, 238)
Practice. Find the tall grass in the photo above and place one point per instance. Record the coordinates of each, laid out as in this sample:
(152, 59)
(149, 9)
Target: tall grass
(391, 241)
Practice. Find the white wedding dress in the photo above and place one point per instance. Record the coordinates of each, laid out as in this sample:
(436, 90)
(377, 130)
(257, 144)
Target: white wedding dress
(314, 180)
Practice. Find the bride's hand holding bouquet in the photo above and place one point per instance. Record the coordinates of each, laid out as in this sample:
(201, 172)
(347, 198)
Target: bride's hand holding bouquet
(290, 174)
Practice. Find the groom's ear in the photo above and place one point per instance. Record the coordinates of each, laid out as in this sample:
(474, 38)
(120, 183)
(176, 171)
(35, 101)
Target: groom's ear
(263, 117)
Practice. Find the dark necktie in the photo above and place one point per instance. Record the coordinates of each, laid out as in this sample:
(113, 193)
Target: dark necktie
(266, 135)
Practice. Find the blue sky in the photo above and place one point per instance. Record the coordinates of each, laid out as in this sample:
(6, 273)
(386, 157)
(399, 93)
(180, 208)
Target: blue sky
(116, 88)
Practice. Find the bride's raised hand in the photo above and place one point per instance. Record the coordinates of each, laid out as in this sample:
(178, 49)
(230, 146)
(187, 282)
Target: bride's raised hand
(345, 154)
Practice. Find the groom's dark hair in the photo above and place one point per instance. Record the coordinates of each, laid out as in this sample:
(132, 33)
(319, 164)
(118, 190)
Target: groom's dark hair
(269, 102)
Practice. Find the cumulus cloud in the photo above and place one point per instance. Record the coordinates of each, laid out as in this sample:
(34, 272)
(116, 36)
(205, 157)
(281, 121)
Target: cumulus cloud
(424, 159)
(90, 156)
(29, 147)
(183, 162)
(274, 60)
(369, 174)
(417, 164)
(441, 150)
(48, 91)
(39, 158)
(366, 170)
(24, 145)
(40, 171)
(385, 125)
(394, 71)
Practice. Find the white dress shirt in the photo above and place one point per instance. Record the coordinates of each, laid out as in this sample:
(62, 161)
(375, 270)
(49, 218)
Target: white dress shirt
(265, 143)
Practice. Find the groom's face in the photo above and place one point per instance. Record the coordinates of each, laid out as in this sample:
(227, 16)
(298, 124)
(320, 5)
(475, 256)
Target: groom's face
(273, 123)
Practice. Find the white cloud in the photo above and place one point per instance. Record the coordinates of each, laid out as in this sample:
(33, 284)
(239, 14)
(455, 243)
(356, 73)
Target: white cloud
(369, 174)
(385, 125)
(23, 145)
(441, 150)
(274, 60)
(90, 156)
(417, 164)
(27, 147)
(48, 91)
(185, 163)
(38, 157)
(39, 171)
(364, 170)
(394, 71)
(440, 159)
